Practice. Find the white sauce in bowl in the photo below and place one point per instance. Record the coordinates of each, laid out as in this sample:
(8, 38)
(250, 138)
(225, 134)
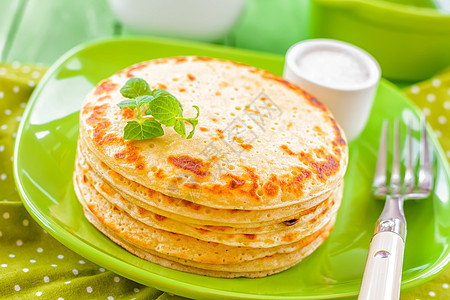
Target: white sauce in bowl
(332, 67)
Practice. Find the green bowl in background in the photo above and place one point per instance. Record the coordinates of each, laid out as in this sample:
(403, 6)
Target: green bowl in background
(409, 39)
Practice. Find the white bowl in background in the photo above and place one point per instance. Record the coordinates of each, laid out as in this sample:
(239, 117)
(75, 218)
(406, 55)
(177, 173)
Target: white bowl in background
(203, 20)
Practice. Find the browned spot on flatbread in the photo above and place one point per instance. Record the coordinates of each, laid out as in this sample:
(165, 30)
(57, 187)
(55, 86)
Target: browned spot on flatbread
(107, 189)
(326, 165)
(250, 236)
(160, 174)
(194, 165)
(131, 155)
(290, 237)
(203, 129)
(127, 113)
(201, 230)
(182, 90)
(192, 186)
(103, 98)
(98, 112)
(247, 147)
(162, 86)
(105, 86)
(180, 59)
(270, 189)
(191, 77)
(159, 218)
(339, 138)
(99, 131)
(142, 211)
(129, 71)
(235, 182)
(324, 169)
(220, 133)
(214, 119)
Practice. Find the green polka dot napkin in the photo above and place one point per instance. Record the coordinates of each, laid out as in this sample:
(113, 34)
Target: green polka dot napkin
(32, 263)
(35, 265)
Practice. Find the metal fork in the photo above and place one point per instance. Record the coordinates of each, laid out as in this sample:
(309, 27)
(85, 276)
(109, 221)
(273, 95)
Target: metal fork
(383, 270)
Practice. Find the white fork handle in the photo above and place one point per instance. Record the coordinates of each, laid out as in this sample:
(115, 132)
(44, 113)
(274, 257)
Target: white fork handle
(383, 271)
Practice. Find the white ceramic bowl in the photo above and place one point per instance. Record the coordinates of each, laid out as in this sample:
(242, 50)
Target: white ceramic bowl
(203, 20)
(340, 75)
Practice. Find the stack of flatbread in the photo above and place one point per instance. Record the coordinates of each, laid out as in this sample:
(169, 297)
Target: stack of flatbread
(254, 191)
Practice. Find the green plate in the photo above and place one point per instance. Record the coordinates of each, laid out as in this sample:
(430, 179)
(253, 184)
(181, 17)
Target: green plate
(45, 152)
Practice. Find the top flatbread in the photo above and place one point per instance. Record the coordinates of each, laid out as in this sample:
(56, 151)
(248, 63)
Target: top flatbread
(261, 142)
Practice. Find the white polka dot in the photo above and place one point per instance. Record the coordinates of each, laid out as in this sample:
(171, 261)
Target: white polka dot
(67, 282)
(447, 105)
(60, 256)
(116, 279)
(26, 69)
(445, 285)
(436, 82)
(23, 104)
(415, 89)
(89, 289)
(110, 298)
(46, 279)
(12, 255)
(2, 94)
(136, 290)
(19, 118)
(8, 112)
(16, 89)
(3, 177)
(2, 71)
(4, 127)
(17, 287)
(431, 97)
(81, 262)
(19, 243)
(2, 148)
(102, 270)
(1, 233)
(35, 74)
(3, 265)
(432, 294)
(39, 250)
(15, 65)
(60, 298)
(32, 261)
(31, 83)
(38, 294)
(438, 133)
(448, 92)
(25, 270)
(54, 266)
(75, 271)
(44, 231)
(6, 214)
(442, 119)
(25, 222)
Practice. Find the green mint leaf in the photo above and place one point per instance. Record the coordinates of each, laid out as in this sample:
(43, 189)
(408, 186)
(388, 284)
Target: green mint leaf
(148, 129)
(180, 128)
(135, 87)
(193, 122)
(166, 110)
(163, 93)
(141, 100)
(131, 103)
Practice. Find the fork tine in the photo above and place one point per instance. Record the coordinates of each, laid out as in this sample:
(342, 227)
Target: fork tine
(395, 175)
(425, 172)
(379, 181)
(408, 181)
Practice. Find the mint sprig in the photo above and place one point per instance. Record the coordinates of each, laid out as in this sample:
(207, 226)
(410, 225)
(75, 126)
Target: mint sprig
(153, 109)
